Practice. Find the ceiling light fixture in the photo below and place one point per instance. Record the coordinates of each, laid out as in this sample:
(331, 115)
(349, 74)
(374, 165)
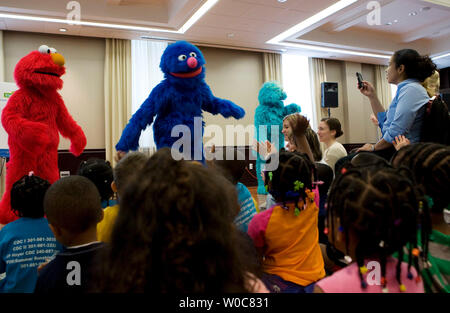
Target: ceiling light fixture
(191, 21)
(312, 20)
(82, 23)
(441, 56)
(279, 39)
(339, 51)
(197, 15)
(63, 30)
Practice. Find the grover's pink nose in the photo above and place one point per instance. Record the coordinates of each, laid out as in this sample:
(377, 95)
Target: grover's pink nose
(192, 62)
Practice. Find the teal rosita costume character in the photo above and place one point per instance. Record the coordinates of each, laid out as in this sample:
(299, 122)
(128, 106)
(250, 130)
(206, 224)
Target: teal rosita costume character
(271, 111)
(179, 98)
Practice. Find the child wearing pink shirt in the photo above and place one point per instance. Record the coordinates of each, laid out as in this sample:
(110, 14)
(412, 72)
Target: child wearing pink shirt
(372, 214)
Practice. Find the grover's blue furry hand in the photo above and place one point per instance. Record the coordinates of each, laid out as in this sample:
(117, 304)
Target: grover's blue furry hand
(238, 112)
(229, 109)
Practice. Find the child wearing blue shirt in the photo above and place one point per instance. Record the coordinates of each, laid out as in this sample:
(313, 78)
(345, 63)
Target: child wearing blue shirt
(27, 242)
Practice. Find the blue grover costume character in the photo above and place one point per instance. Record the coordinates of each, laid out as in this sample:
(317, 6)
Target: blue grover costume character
(176, 100)
(271, 111)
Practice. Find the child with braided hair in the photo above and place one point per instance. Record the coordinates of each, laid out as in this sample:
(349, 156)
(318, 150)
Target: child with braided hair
(374, 212)
(430, 164)
(286, 234)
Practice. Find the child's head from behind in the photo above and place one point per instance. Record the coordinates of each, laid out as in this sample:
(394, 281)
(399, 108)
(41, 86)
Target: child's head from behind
(430, 164)
(374, 212)
(126, 168)
(363, 160)
(72, 204)
(326, 175)
(175, 232)
(100, 173)
(27, 196)
(232, 164)
(295, 174)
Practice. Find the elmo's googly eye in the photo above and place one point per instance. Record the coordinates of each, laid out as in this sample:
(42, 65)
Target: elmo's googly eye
(193, 54)
(182, 57)
(44, 49)
(53, 50)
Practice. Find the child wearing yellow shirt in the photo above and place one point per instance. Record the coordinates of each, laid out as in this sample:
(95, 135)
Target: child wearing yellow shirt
(286, 233)
(124, 170)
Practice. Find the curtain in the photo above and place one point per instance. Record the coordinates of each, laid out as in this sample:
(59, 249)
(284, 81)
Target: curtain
(117, 92)
(382, 86)
(146, 74)
(2, 59)
(2, 78)
(272, 67)
(318, 74)
(383, 89)
(296, 84)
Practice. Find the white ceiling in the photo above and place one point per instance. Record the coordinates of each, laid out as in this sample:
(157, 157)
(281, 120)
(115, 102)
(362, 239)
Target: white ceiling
(249, 24)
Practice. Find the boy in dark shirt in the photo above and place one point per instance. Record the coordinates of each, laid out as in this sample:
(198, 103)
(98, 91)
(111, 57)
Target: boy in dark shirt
(73, 209)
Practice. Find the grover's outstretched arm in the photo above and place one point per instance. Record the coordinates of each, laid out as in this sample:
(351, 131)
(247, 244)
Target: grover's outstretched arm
(138, 122)
(216, 105)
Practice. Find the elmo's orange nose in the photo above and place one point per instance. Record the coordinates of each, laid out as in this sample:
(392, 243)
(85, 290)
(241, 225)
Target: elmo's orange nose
(58, 59)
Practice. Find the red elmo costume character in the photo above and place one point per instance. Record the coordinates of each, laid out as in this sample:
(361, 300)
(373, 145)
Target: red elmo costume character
(33, 118)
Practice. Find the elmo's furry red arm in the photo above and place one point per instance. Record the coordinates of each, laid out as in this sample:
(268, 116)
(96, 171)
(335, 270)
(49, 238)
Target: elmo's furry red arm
(70, 129)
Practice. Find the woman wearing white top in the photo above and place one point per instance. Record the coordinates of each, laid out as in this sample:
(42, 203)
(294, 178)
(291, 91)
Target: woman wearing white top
(329, 130)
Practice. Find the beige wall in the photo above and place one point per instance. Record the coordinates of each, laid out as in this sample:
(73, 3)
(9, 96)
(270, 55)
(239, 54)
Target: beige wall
(236, 76)
(354, 109)
(334, 74)
(231, 74)
(83, 90)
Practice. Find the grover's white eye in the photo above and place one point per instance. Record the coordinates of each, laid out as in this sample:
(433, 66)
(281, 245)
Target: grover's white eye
(44, 49)
(182, 57)
(193, 54)
(53, 50)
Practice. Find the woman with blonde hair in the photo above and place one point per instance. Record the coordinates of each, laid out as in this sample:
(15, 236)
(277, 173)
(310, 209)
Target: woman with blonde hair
(432, 84)
(294, 130)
